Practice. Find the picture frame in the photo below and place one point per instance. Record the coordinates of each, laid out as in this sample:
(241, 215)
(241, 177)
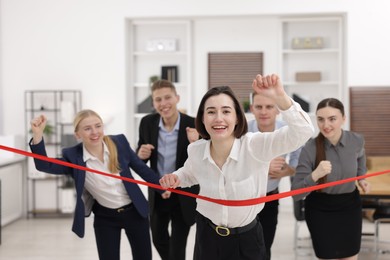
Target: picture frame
(170, 73)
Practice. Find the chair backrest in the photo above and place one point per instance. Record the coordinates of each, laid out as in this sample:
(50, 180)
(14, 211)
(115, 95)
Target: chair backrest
(299, 210)
(382, 211)
(299, 207)
(368, 203)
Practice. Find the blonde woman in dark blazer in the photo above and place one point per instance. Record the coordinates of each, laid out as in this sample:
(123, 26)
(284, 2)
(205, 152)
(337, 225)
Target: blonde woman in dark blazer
(116, 204)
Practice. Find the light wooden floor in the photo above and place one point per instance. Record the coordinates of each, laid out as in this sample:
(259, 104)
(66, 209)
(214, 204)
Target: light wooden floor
(51, 238)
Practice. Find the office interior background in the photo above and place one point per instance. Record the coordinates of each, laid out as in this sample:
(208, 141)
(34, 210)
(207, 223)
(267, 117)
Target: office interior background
(85, 45)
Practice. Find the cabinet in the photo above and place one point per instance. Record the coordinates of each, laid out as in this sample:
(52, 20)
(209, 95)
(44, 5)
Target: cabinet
(153, 44)
(45, 191)
(12, 189)
(313, 44)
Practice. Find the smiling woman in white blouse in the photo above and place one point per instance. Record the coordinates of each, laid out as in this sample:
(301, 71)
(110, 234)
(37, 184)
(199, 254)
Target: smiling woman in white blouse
(231, 164)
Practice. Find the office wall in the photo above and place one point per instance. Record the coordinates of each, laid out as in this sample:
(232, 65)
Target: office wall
(73, 44)
(232, 34)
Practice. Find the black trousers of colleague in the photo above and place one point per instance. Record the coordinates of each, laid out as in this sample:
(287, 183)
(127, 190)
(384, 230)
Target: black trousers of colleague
(108, 224)
(209, 245)
(268, 218)
(169, 246)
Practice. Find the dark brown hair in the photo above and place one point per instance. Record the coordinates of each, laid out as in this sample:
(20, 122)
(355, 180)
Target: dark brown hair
(242, 125)
(320, 139)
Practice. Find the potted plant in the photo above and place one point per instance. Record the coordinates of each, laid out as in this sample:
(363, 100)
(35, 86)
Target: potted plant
(152, 79)
(49, 129)
(246, 105)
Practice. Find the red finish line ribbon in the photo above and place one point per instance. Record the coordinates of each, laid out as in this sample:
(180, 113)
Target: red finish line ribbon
(247, 202)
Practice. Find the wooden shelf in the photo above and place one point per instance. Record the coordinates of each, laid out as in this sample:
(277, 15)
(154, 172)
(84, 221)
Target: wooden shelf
(328, 60)
(52, 100)
(144, 64)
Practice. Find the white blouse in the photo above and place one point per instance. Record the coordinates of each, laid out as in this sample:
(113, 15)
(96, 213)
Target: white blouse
(245, 172)
(109, 192)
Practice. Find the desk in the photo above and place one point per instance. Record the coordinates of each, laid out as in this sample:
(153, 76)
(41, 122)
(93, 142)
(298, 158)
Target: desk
(380, 191)
(12, 177)
(380, 186)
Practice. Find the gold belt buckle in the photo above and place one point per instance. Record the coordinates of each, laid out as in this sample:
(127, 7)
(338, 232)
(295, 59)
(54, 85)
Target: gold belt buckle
(222, 231)
(120, 210)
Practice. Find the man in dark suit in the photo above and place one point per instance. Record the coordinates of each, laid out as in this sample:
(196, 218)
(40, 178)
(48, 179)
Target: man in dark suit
(163, 139)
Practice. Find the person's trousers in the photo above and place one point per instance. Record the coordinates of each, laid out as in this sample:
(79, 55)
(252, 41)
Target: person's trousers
(268, 218)
(169, 246)
(108, 224)
(209, 245)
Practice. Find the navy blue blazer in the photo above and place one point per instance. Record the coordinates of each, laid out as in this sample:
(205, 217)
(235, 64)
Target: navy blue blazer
(84, 200)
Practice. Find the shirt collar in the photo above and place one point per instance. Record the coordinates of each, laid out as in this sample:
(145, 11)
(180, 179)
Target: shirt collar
(175, 128)
(343, 139)
(341, 142)
(233, 153)
(87, 156)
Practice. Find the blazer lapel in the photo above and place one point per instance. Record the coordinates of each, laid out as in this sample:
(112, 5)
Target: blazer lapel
(79, 176)
(181, 141)
(154, 131)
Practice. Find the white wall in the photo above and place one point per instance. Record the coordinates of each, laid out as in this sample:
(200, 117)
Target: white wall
(232, 34)
(80, 44)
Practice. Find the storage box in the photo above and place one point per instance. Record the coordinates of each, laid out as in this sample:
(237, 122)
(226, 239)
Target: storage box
(308, 76)
(67, 200)
(307, 43)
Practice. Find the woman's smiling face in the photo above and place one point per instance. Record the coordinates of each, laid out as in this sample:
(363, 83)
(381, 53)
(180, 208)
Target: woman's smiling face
(90, 131)
(330, 121)
(220, 117)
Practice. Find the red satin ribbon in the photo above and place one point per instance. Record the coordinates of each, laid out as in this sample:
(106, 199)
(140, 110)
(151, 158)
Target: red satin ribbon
(247, 202)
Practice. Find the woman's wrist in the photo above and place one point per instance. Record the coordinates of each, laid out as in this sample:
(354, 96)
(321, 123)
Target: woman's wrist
(284, 102)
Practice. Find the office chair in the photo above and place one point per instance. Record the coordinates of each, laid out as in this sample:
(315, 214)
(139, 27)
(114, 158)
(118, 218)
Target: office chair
(300, 242)
(369, 206)
(381, 215)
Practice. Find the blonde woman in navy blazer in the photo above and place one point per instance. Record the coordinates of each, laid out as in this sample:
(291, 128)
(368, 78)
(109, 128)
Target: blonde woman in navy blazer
(111, 154)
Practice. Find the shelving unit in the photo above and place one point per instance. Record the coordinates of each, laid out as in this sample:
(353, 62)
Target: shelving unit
(153, 44)
(329, 60)
(59, 106)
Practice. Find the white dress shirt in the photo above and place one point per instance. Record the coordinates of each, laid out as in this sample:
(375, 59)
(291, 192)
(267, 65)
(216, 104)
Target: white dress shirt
(244, 174)
(109, 192)
(167, 147)
(293, 157)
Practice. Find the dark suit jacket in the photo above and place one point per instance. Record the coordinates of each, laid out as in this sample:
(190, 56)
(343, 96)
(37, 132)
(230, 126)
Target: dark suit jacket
(148, 134)
(84, 200)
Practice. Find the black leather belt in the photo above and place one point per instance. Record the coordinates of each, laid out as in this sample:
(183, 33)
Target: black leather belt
(225, 231)
(110, 211)
(124, 208)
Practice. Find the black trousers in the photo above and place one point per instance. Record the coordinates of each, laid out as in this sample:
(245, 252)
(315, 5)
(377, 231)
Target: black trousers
(169, 246)
(268, 218)
(108, 224)
(211, 246)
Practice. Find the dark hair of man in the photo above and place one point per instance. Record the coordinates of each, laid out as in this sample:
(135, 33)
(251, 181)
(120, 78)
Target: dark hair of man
(320, 139)
(163, 83)
(242, 125)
